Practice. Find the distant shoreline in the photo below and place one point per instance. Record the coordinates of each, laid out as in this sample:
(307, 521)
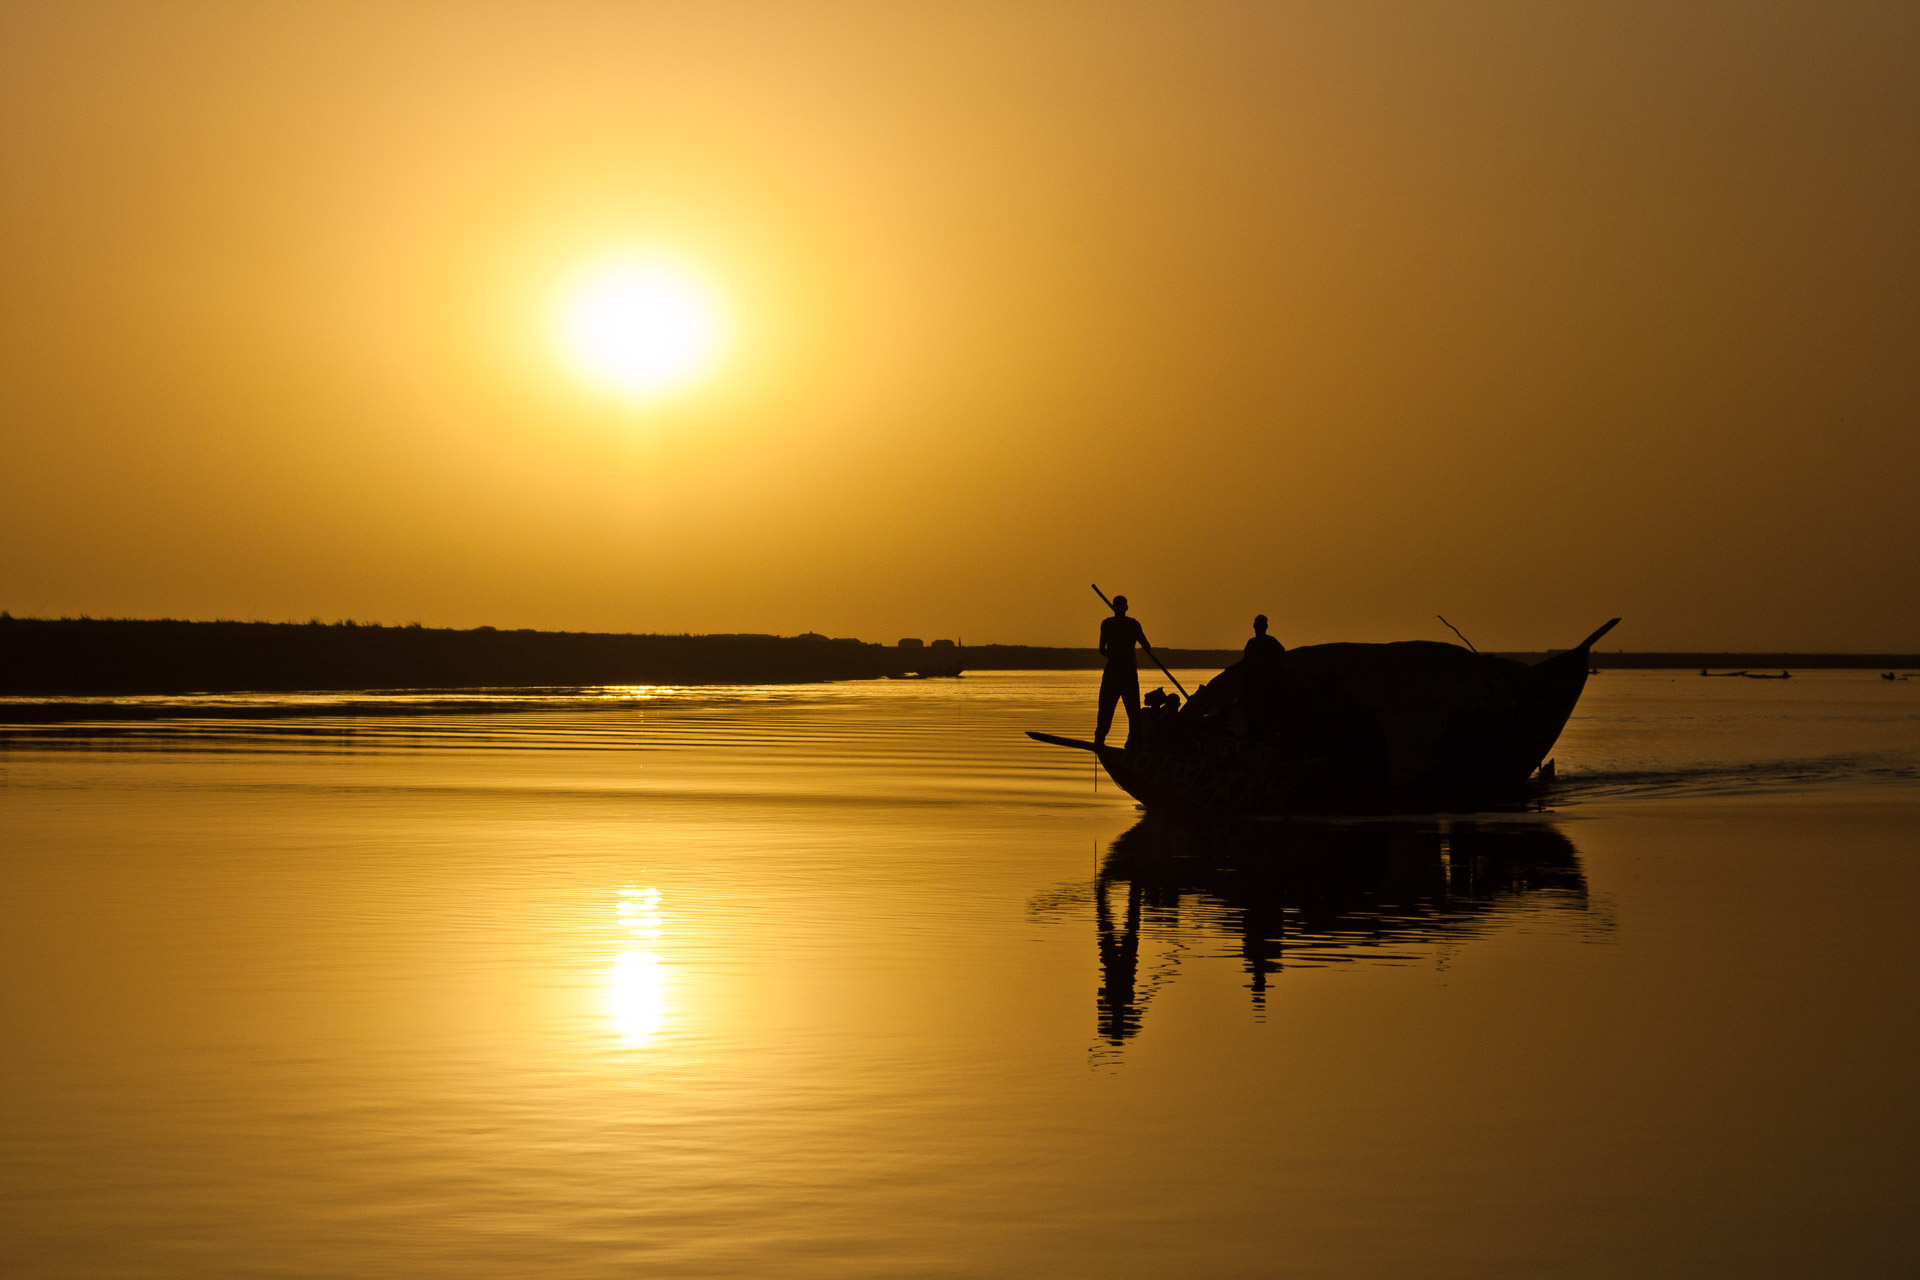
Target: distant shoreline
(108, 657)
(41, 657)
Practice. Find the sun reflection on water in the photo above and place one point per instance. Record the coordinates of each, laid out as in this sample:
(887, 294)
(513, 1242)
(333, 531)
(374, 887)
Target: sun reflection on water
(636, 987)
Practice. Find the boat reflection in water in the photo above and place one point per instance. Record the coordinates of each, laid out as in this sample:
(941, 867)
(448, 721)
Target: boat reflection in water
(1305, 895)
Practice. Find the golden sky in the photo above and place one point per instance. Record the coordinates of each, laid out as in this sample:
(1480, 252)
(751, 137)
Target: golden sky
(1349, 313)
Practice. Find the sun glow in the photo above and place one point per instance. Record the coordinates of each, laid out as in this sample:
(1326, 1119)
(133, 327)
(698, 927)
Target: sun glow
(636, 996)
(636, 988)
(641, 328)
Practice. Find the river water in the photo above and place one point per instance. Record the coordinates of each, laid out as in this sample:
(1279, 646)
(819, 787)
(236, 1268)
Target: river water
(855, 980)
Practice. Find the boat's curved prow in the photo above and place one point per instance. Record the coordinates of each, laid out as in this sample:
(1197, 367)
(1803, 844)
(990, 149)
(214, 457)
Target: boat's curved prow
(1576, 656)
(1567, 670)
(1591, 640)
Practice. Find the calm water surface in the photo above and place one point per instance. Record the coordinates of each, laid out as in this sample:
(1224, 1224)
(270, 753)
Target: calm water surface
(854, 980)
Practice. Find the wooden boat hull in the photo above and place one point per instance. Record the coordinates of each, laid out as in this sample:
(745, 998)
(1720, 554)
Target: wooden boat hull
(1398, 728)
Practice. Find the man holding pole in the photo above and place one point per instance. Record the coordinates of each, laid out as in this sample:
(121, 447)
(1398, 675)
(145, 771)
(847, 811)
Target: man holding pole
(1120, 682)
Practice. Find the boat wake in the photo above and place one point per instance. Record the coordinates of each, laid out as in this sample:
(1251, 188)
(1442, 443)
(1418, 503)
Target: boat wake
(1726, 778)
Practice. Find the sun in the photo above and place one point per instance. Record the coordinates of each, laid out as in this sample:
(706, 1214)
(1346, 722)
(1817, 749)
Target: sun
(641, 328)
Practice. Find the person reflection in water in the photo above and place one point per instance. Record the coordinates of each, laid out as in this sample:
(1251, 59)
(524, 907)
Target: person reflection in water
(1120, 682)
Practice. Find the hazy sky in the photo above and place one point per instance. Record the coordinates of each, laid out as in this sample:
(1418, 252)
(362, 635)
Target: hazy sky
(1529, 314)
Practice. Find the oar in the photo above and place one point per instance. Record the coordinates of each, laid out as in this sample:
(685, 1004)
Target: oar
(1149, 648)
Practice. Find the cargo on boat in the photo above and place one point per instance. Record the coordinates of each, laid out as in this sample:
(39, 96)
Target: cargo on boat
(1415, 726)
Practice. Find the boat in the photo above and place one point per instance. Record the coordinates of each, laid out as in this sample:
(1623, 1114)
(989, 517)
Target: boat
(941, 660)
(1411, 727)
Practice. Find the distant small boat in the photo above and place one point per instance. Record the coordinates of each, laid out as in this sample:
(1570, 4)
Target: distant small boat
(941, 660)
(1762, 675)
(1728, 674)
(1352, 728)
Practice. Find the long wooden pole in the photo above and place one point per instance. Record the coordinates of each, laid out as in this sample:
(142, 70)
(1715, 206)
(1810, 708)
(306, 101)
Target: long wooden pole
(1150, 653)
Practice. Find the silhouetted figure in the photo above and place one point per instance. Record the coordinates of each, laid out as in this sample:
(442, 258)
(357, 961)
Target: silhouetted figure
(1120, 682)
(1266, 682)
(1159, 716)
(1263, 647)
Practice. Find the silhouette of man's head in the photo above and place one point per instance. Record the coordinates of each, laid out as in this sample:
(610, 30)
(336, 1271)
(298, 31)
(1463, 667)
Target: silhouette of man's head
(1119, 604)
(1260, 624)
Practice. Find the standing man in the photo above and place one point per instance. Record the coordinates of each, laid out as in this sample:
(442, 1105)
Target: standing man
(1120, 682)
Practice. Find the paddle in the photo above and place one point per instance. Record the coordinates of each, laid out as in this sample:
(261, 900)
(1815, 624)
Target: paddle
(1149, 648)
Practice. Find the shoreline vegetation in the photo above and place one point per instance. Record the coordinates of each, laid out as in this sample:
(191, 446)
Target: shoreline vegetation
(54, 657)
